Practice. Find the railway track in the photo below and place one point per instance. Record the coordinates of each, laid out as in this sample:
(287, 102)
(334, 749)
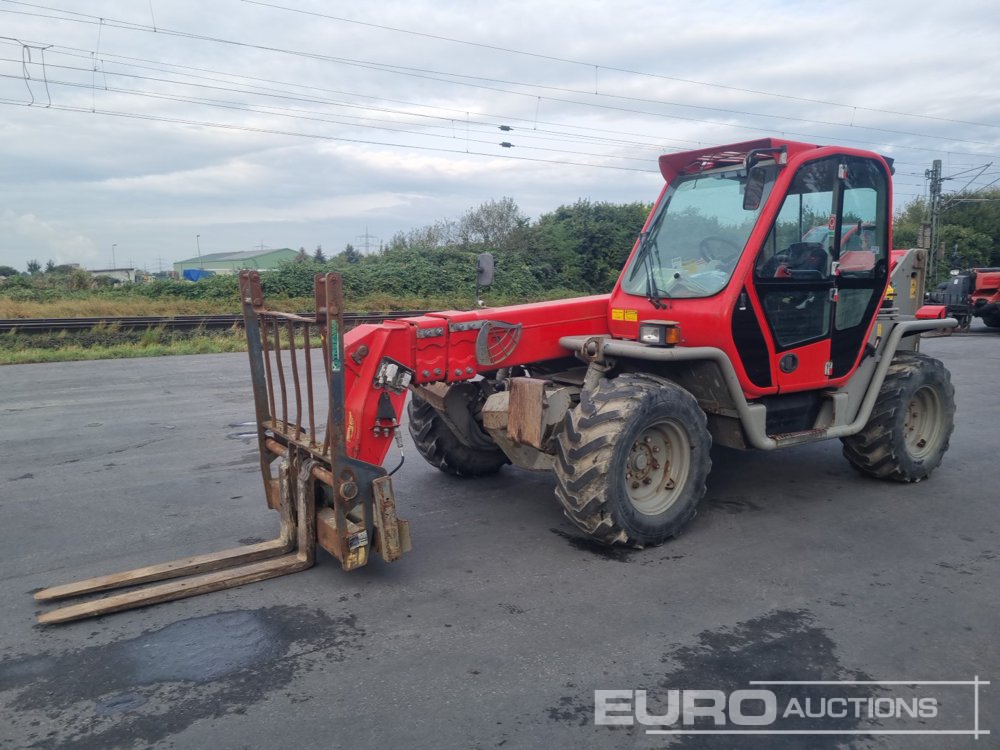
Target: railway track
(176, 322)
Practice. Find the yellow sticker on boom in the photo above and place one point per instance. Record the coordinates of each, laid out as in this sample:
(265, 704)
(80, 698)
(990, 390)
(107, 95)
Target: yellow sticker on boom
(913, 288)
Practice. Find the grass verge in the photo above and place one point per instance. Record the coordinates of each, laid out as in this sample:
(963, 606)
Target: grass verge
(151, 346)
(153, 342)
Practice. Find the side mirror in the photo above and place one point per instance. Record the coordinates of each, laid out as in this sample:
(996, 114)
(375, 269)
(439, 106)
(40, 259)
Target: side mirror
(754, 190)
(484, 269)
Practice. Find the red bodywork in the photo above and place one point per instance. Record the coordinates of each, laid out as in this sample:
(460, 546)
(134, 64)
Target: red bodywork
(437, 350)
(706, 321)
(987, 289)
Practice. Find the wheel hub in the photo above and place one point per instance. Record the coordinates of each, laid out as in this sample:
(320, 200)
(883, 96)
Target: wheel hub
(922, 424)
(656, 467)
(641, 460)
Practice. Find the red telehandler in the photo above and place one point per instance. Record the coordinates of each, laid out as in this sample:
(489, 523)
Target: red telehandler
(727, 325)
(974, 293)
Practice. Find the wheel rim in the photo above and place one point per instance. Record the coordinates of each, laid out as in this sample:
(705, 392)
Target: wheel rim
(657, 466)
(922, 426)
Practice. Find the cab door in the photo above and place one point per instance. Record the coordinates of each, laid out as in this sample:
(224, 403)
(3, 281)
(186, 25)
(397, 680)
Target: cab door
(861, 260)
(821, 273)
(794, 281)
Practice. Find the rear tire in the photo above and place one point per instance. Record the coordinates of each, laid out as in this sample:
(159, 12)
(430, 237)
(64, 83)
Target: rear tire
(991, 318)
(911, 424)
(442, 448)
(632, 460)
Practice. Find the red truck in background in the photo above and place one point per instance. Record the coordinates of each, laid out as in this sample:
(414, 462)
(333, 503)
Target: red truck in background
(974, 293)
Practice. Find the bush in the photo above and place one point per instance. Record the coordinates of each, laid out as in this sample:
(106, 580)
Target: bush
(29, 293)
(215, 288)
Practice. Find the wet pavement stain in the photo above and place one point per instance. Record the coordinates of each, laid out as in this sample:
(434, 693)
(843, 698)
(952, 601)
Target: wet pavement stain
(242, 436)
(617, 554)
(250, 457)
(140, 690)
(732, 506)
(781, 645)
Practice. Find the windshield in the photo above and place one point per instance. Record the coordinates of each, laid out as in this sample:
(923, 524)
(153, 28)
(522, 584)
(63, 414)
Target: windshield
(696, 237)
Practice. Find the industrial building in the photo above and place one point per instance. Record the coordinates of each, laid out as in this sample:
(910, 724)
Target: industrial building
(260, 260)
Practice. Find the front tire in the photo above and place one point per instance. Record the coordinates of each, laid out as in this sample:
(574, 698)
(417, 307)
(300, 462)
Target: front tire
(911, 424)
(632, 460)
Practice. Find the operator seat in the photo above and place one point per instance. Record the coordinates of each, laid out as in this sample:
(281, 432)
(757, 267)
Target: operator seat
(803, 260)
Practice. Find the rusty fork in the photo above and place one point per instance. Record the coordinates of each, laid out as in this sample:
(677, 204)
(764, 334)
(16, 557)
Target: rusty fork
(293, 550)
(322, 495)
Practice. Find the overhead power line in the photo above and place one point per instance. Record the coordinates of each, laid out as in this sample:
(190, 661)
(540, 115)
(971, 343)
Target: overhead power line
(98, 65)
(316, 136)
(630, 71)
(464, 79)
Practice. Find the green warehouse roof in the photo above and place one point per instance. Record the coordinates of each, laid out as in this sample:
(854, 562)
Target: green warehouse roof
(244, 255)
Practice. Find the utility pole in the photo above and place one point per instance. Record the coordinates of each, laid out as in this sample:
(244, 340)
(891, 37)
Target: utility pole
(113, 264)
(366, 240)
(197, 241)
(934, 175)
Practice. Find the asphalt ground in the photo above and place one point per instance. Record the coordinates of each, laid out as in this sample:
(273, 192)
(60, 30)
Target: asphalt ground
(500, 625)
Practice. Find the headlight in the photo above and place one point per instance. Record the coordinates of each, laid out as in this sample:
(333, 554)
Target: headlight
(660, 332)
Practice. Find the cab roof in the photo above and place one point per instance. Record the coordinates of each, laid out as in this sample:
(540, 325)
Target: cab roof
(734, 154)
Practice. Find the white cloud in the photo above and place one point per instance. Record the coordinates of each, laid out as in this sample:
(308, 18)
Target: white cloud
(315, 139)
(44, 241)
(205, 181)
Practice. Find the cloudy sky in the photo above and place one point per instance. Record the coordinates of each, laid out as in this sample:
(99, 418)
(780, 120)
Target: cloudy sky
(149, 128)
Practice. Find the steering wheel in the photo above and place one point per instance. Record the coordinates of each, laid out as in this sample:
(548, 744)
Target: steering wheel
(711, 248)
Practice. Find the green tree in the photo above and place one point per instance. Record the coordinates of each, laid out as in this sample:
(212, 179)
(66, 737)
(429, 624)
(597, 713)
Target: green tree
(79, 280)
(350, 254)
(906, 223)
(34, 267)
(968, 229)
(8, 271)
(318, 255)
(494, 225)
(302, 256)
(964, 247)
(978, 212)
(50, 266)
(584, 246)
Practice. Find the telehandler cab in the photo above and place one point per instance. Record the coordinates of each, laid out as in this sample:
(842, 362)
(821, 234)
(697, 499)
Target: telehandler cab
(725, 326)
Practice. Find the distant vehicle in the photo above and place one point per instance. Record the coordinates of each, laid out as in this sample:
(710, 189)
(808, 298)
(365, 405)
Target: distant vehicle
(974, 293)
